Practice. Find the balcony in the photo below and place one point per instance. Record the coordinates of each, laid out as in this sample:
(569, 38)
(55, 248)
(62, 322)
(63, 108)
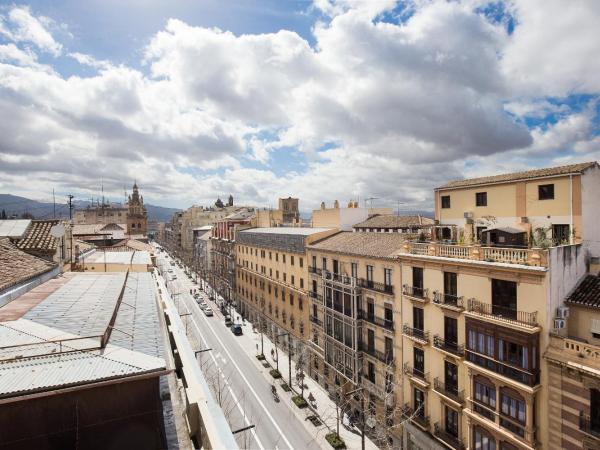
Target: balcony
(339, 278)
(386, 358)
(447, 438)
(376, 390)
(380, 322)
(420, 336)
(588, 426)
(315, 270)
(523, 256)
(316, 320)
(449, 391)
(375, 286)
(418, 417)
(416, 293)
(449, 301)
(416, 373)
(515, 373)
(502, 314)
(449, 347)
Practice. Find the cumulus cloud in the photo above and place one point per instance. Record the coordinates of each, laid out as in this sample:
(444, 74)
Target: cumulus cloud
(371, 108)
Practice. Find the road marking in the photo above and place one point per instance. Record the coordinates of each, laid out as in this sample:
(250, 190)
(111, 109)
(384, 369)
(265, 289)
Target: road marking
(237, 403)
(247, 382)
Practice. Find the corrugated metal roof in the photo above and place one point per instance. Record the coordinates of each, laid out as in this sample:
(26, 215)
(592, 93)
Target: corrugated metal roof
(51, 371)
(14, 229)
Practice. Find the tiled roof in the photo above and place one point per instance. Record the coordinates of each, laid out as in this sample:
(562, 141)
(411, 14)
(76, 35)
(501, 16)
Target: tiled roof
(587, 293)
(382, 221)
(17, 266)
(38, 237)
(516, 176)
(377, 245)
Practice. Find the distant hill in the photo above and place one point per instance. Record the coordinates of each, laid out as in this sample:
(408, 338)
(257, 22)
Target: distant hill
(15, 205)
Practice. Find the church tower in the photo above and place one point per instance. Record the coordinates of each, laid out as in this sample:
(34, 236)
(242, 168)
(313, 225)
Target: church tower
(137, 217)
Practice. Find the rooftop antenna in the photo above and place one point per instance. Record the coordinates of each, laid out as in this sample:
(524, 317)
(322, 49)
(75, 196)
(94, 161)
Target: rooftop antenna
(54, 203)
(102, 187)
(370, 199)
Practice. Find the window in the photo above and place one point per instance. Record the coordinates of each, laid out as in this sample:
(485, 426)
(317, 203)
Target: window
(504, 298)
(300, 306)
(595, 411)
(284, 276)
(546, 191)
(324, 263)
(277, 257)
(450, 288)
(482, 440)
(419, 402)
(451, 377)
(481, 198)
(387, 277)
(370, 275)
(419, 360)
(354, 269)
(513, 407)
(291, 299)
(301, 262)
(450, 331)
(335, 266)
(270, 255)
(479, 231)
(485, 399)
(451, 422)
(277, 274)
(301, 283)
(560, 233)
(283, 258)
(445, 201)
(314, 262)
(388, 316)
(418, 320)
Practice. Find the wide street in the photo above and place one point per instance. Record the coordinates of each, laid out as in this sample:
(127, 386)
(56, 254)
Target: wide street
(237, 383)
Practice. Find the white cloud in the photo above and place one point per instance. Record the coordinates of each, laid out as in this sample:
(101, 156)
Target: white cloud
(21, 26)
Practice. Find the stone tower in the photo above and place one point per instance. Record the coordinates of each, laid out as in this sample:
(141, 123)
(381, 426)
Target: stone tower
(137, 217)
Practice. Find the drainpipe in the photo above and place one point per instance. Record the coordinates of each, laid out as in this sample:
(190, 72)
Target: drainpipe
(571, 209)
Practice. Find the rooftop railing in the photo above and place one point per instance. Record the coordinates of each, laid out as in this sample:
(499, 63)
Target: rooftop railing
(509, 255)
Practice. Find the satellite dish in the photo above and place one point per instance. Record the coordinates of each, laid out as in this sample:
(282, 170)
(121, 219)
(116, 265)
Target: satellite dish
(371, 422)
(57, 231)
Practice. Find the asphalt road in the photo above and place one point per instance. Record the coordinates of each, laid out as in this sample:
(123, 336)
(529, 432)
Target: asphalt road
(242, 390)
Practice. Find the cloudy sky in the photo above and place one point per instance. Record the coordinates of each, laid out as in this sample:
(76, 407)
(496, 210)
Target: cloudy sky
(321, 100)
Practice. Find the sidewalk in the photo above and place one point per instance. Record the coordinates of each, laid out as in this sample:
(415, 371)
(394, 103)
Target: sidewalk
(325, 407)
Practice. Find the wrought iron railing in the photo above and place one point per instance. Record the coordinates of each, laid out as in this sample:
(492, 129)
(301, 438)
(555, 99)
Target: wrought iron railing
(451, 300)
(514, 373)
(416, 373)
(416, 333)
(451, 347)
(415, 291)
(502, 313)
(381, 322)
(450, 439)
(449, 391)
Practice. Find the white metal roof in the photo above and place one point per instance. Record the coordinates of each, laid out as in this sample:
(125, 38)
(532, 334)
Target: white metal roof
(45, 366)
(286, 230)
(136, 257)
(14, 228)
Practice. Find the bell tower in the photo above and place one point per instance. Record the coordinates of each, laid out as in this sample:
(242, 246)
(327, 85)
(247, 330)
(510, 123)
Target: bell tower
(137, 217)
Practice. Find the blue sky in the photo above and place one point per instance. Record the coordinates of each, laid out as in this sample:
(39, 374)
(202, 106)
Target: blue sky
(322, 100)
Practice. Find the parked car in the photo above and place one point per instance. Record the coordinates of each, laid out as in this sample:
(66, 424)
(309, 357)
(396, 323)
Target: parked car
(202, 304)
(174, 277)
(208, 311)
(228, 321)
(170, 270)
(236, 329)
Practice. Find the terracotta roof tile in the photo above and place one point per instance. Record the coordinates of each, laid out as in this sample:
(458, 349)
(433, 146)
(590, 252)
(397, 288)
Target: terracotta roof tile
(587, 292)
(38, 237)
(516, 176)
(377, 245)
(16, 266)
(383, 221)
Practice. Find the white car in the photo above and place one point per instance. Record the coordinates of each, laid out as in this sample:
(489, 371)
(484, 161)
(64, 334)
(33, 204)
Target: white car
(170, 270)
(202, 305)
(208, 311)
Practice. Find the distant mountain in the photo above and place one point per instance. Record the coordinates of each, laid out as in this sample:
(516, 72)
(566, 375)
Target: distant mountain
(15, 205)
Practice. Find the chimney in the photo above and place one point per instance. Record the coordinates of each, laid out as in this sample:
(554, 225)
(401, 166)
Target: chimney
(322, 205)
(336, 204)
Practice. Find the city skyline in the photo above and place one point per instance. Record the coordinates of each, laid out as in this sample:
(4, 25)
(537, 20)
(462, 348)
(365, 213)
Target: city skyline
(388, 98)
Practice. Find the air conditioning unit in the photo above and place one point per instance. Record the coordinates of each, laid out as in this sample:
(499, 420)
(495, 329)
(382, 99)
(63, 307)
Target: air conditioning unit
(562, 312)
(559, 324)
(468, 214)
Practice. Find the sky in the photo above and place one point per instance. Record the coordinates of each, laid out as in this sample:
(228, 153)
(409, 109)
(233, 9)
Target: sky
(321, 100)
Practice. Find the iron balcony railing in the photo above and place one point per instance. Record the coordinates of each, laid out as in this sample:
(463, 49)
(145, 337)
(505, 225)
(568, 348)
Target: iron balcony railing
(418, 417)
(415, 291)
(315, 270)
(514, 373)
(588, 425)
(450, 439)
(375, 286)
(450, 300)
(449, 391)
(415, 373)
(502, 313)
(384, 357)
(450, 347)
(416, 333)
(381, 322)
(316, 321)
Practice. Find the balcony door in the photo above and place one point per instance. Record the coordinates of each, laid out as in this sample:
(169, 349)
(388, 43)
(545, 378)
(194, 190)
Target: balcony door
(504, 298)
(450, 289)
(418, 320)
(371, 340)
(419, 360)
(451, 377)
(335, 266)
(417, 273)
(451, 422)
(419, 402)
(450, 330)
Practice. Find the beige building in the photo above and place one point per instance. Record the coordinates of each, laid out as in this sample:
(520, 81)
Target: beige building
(355, 317)
(272, 279)
(118, 261)
(344, 218)
(287, 214)
(546, 206)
